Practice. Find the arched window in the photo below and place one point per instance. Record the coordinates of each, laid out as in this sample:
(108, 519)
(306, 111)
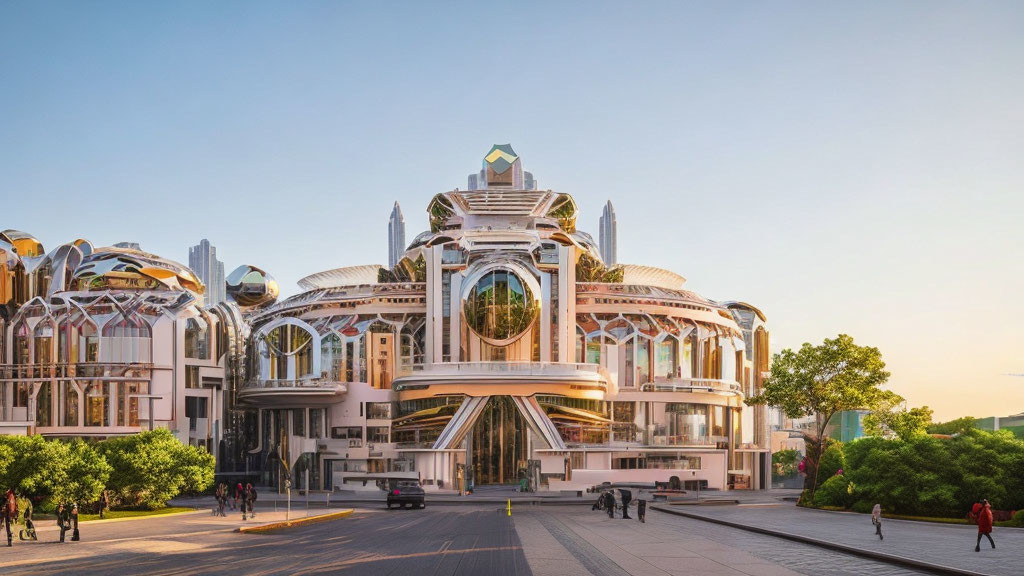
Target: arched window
(290, 351)
(88, 341)
(197, 339)
(332, 358)
(413, 340)
(126, 340)
(21, 344)
(42, 338)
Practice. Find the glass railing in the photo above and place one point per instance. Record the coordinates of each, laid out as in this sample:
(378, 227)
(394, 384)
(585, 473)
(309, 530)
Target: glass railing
(306, 383)
(519, 368)
(69, 370)
(691, 385)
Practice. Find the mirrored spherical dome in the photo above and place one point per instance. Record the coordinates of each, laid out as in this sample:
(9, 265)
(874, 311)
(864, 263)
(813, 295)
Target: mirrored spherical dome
(500, 306)
(250, 286)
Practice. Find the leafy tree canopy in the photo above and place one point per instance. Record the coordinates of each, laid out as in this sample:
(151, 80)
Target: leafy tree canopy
(821, 381)
(152, 467)
(953, 426)
(901, 422)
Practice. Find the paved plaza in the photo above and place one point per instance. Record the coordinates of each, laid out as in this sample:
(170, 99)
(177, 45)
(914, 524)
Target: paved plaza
(949, 545)
(569, 540)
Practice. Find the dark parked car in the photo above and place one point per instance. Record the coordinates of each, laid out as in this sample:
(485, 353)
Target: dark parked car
(403, 492)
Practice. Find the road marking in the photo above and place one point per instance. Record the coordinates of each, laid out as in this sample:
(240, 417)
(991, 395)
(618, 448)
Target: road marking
(382, 557)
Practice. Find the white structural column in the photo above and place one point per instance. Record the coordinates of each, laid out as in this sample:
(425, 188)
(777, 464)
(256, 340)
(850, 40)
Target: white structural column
(434, 305)
(566, 303)
(455, 319)
(545, 317)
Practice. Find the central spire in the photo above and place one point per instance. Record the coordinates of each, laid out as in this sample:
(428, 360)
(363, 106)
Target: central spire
(502, 168)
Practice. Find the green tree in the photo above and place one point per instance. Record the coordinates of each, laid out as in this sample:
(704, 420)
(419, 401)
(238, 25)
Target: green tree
(32, 465)
(785, 462)
(821, 381)
(903, 423)
(84, 473)
(833, 461)
(152, 467)
(953, 426)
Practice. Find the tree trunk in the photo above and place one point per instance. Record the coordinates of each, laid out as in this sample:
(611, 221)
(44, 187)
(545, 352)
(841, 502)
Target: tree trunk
(811, 463)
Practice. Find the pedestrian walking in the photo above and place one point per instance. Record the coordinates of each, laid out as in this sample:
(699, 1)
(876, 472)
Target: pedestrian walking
(222, 497)
(609, 503)
(104, 503)
(74, 523)
(63, 519)
(30, 528)
(876, 519)
(984, 525)
(641, 510)
(250, 497)
(9, 514)
(239, 493)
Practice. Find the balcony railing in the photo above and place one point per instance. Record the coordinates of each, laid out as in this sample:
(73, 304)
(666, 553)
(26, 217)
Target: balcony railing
(79, 370)
(512, 368)
(691, 385)
(308, 383)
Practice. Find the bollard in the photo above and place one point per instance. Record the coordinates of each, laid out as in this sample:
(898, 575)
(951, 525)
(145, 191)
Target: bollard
(509, 506)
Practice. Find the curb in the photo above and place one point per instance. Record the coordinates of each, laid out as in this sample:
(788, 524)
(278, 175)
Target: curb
(146, 517)
(881, 556)
(296, 522)
(54, 527)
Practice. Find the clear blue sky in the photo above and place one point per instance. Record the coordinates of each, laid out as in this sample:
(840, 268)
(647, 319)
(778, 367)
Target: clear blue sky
(848, 168)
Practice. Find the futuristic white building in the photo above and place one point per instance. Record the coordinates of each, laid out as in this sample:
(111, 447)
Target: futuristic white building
(500, 348)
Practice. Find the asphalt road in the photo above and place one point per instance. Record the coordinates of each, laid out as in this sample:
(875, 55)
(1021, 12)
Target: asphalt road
(465, 540)
(453, 540)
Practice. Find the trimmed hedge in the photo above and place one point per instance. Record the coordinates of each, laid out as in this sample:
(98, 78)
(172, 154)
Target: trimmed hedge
(935, 477)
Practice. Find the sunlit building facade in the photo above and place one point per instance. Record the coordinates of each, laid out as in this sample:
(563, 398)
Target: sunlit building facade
(500, 348)
(100, 342)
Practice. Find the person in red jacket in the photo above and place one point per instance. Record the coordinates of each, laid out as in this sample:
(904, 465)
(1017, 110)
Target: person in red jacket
(984, 525)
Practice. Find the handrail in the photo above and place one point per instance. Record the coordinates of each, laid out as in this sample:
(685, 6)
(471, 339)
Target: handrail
(691, 384)
(296, 383)
(515, 367)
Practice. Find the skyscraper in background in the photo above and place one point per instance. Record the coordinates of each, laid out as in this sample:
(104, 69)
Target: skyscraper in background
(202, 259)
(607, 235)
(396, 236)
(502, 169)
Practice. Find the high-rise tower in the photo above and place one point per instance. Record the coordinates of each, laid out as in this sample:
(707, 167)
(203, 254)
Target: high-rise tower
(396, 236)
(607, 235)
(202, 259)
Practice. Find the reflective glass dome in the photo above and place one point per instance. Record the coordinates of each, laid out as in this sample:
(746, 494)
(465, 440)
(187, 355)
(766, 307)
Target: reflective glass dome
(500, 306)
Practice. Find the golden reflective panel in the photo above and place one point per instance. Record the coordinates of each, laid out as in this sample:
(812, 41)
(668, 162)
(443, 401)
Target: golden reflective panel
(26, 244)
(498, 443)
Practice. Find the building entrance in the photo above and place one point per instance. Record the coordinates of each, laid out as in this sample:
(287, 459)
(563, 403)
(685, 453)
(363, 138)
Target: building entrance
(498, 449)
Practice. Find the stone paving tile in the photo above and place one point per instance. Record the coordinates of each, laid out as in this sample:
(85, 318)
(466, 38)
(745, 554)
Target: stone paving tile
(949, 545)
(693, 566)
(669, 544)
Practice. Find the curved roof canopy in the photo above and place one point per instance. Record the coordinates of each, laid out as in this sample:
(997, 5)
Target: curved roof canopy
(651, 276)
(348, 276)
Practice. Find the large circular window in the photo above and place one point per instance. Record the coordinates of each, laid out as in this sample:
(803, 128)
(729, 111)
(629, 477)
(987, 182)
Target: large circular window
(500, 306)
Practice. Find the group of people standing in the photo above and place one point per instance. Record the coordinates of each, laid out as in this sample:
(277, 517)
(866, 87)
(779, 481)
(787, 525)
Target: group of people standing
(606, 501)
(244, 498)
(67, 518)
